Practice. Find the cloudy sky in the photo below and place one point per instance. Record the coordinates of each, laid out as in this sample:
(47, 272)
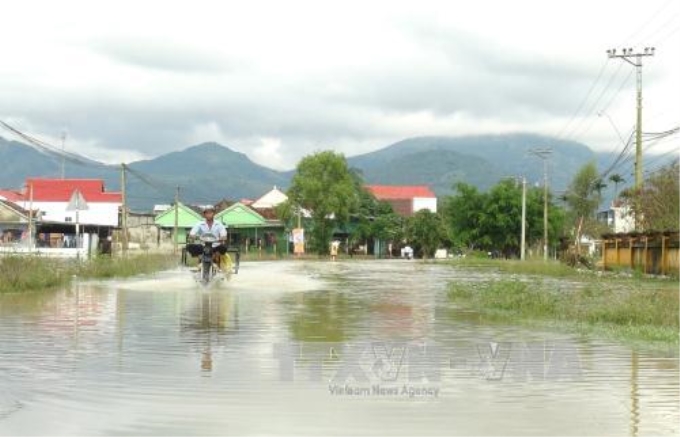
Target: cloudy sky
(279, 79)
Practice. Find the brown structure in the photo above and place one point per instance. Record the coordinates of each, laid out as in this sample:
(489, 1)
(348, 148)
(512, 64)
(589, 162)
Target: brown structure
(650, 252)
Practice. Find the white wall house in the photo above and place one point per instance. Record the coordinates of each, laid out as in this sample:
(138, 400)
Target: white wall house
(53, 197)
(619, 217)
(406, 200)
(271, 199)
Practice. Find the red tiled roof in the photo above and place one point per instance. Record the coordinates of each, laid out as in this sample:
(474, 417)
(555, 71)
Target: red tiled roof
(61, 190)
(384, 192)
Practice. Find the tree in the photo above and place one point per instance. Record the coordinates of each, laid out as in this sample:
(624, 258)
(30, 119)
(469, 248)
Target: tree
(493, 220)
(324, 186)
(616, 179)
(583, 197)
(660, 199)
(426, 230)
(375, 219)
(463, 213)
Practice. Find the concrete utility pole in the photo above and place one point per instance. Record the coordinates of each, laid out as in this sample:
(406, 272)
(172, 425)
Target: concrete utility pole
(627, 56)
(123, 212)
(176, 220)
(30, 218)
(524, 219)
(635, 59)
(544, 154)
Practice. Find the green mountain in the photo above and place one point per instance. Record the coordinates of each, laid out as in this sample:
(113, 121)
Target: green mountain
(209, 172)
(19, 161)
(205, 173)
(440, 169)
(481, 160)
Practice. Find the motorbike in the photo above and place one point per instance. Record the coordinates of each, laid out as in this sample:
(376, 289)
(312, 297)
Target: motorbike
(208, 271)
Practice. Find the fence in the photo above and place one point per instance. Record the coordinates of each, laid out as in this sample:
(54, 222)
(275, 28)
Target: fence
(652, 252)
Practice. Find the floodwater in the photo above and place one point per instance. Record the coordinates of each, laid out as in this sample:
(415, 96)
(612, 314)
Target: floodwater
(310, 348)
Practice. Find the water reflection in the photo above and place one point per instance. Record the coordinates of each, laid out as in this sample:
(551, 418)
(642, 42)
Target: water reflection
(160, 357)
(206, 321)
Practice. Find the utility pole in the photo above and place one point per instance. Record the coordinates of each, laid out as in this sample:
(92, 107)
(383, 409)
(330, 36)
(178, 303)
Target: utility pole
(635, 59)
(544, 154)
(30, 217)
(123, 212)
(524, 219)
(176, 220)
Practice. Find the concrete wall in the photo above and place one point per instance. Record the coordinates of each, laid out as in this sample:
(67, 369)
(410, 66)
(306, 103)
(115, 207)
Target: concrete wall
(98, 213)
(425, 203)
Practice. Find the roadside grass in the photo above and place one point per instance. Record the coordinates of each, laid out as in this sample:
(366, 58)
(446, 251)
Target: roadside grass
(104, 267)
(633, 311)
(20, 273)
(33, 273)
(528, 267)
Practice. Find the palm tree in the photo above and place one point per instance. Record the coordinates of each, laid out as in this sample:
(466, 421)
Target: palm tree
(616, 179)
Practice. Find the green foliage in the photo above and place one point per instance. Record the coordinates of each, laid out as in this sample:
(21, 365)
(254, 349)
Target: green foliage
(660, 199)
(26, 273)
(324, 186)
(583, 197)
(425, 229)
(493, 220)
(376, 219)
(647, 313)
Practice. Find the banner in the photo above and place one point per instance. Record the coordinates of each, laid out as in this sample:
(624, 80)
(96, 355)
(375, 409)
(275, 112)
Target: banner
(298, 241)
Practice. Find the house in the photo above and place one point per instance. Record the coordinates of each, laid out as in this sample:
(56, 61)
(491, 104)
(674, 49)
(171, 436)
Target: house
(185, 217)
(251, 229)
(271, 199)
(73, 213)
(13, 223)
(53, 196)
(406, 200)
(619, 217)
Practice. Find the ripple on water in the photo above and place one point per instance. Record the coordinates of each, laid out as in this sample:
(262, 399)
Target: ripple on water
(160, 355)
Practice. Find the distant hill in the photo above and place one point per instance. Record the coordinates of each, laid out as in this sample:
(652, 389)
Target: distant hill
(440, 169)
(19, 161)
(481, 159)
(205, 173)
(208, 172)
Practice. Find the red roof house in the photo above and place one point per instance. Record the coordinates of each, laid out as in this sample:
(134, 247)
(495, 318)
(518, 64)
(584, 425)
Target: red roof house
(405, 199)
(52, 197)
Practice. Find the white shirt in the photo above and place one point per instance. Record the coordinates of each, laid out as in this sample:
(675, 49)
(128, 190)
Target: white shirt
(217, 229)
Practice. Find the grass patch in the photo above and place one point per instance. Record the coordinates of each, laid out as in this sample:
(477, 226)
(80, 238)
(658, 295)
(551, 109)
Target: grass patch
(27, 273)
(528, 267)
(19, 273)
(647, 311)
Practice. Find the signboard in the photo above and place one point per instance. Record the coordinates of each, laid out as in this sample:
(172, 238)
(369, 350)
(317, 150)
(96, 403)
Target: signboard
(77, 202)
(298, 241)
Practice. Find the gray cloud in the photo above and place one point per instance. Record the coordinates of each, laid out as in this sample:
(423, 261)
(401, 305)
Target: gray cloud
(161, 54)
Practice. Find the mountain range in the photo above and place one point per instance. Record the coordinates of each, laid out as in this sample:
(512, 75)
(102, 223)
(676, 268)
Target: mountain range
(209, 172)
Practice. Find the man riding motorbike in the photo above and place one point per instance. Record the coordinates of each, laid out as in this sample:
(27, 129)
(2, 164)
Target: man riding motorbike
(208, 226)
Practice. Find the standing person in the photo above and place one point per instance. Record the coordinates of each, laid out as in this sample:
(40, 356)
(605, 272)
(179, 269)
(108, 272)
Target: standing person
(335, 245)
(208, 226)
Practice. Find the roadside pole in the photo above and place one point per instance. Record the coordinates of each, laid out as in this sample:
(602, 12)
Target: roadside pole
(524, 218)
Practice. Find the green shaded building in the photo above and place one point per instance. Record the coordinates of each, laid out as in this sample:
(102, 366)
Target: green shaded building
(186, 219)
(251, 231)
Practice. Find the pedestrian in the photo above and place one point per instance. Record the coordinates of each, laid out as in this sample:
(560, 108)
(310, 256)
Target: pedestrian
(335, 245)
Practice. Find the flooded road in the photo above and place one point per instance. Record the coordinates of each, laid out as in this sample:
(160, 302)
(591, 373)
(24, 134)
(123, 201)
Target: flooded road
(310, 348)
